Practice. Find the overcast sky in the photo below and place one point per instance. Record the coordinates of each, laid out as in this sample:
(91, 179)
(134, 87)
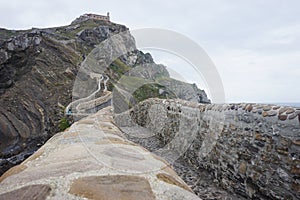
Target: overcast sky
(254, 44)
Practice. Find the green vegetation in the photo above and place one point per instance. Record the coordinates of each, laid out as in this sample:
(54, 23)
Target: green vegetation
(151, 91)
(140, 88)
(89, 24)
(130, 83)
(64, 124)
(147, 91)
(119, 67)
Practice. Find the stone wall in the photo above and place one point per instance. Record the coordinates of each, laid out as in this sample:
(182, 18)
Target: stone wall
(251, 149)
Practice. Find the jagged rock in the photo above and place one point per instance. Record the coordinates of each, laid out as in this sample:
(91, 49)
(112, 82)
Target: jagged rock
(21, 42)
(94, 36)
(4, 56)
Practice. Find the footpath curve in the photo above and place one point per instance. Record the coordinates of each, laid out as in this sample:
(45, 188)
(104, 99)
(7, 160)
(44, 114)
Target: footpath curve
(89, 103)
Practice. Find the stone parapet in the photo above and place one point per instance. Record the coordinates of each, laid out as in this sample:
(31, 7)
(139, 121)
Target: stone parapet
(251, 149)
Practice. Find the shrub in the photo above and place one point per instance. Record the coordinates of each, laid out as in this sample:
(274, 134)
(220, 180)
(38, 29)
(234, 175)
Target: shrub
(63, 124)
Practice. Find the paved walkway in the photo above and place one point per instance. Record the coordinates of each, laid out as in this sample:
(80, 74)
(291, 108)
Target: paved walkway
(94, 160)
(79, 106)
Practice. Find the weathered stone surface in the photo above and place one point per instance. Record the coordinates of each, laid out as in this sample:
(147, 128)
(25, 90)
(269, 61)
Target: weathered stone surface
(36, 192)
(54, 170)
(296, 142)
(267, 108)
(171, 180)
(242, 168)
(276, 107)
(294, 115)
(265, 114)
(296, 187)
(94, 160)
(272, 113)
(251, 151)
(36, 155)
(282, 110)
(282, 117)
(260, 137)
(295, 170)
(249, 108)
(12, 171)
(290, 111)
(112, 187)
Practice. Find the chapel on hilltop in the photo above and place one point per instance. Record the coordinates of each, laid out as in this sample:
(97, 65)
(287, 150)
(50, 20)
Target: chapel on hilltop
(98, 17)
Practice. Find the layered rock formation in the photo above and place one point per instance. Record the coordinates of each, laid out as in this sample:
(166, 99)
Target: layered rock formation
(38, 68)
(252, 150)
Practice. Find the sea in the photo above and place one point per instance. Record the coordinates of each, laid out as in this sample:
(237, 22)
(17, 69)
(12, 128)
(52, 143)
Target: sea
(295, 105)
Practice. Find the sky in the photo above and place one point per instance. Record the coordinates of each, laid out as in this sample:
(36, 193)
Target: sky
(254, 44)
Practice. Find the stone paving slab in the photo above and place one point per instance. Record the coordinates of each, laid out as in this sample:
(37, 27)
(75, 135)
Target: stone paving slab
(93, 160)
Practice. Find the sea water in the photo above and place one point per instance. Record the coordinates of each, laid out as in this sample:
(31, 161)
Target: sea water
(296, 105)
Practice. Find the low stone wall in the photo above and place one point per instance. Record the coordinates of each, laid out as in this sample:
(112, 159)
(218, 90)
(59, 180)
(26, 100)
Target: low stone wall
(251, 149)
(95, 102)
(93, 160)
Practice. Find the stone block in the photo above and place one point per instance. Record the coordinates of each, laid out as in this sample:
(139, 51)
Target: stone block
(114, 187)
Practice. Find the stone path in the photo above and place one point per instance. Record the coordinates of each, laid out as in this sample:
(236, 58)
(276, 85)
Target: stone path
(93, 160)
(80, 106)
(199, 180)
(78, 101)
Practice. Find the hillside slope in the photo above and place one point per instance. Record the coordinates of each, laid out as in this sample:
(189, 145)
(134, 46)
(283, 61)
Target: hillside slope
(38, 68)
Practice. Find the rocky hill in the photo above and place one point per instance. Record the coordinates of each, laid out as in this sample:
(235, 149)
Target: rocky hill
(38, 68)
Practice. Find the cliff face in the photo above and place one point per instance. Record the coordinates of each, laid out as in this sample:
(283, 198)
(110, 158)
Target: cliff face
(36, 78)
(37, 72)
(38, 68)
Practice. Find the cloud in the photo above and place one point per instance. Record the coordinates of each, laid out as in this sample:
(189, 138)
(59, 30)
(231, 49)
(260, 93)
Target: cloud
(253, 77)
(255, 44)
